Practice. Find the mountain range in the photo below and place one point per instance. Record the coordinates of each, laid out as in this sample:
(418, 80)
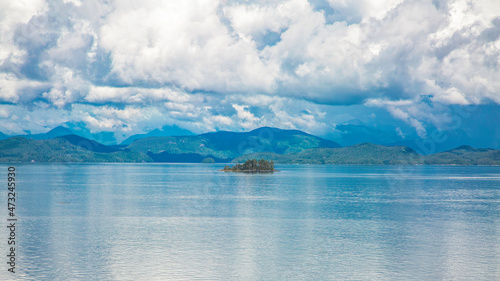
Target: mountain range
(348, 133)
(356, 132)
(228, 145)
(106, 138)
(374, 154)
(281, 146)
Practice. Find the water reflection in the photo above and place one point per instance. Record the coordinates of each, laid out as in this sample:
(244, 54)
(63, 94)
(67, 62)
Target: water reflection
(189, 222)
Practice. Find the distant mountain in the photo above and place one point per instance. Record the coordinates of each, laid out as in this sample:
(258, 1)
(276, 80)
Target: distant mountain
(183, 158)
(165, 131)
(80, 129)
(464, 149)
(54, 133)
(282, 146)
(436, 140)
(465, 155)
(365, 153)
(3, 136)
(372, 154)
(355, 132)
(72, 129)
(20, 149)
(227, 145)
(90, 145)
(109, 138)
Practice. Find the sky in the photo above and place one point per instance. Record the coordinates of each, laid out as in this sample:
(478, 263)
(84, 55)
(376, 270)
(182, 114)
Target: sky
(129, 67)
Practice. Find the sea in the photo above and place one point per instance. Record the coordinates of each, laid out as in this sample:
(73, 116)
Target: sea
(305, 222)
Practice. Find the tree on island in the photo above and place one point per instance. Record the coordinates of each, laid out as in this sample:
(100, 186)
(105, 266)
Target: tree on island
(252, 166)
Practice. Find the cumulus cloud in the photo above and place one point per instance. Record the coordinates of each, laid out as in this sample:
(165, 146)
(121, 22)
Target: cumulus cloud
(13, 14)
(247, 118)
(14, 90)
(131, 95)
(212, 65)
(181, 43)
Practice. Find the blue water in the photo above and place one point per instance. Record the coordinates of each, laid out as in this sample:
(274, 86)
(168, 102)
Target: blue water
(307, 222)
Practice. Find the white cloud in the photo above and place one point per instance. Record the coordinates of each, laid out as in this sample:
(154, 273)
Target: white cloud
(13, 13)
(306, 120)
(398, 49)
(381, 102)
(73, 49)
(396, 52)
(67, 87)
(418, 127)
(184, 108)
(222, 120)
(4, 113)
(192, 61)
(14, 90)
(39, 120)
(131, 95)
(255, 100)
(124, 122)
(398, 113)
(181, 43)
(451, 96)
(420, 111)
(400, 132)
(253, 21)
(103, 124)
(247, 119)
(407, 111)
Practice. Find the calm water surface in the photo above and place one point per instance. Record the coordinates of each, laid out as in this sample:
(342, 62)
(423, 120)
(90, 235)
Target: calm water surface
(307, 222)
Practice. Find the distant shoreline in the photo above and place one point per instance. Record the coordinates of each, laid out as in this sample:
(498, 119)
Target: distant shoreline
(211, 149)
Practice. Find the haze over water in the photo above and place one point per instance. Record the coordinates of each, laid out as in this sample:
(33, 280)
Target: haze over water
(307, 222)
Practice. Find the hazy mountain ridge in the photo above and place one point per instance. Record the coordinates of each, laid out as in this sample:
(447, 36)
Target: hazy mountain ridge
(106, 138)
(282, 146)
(365, 153)
(54, 133)
(165, 131)
(228, 145)
(465, 155)
(372, 154)
(88, 144)
(347, 133)
(436, 140)
(20, 149)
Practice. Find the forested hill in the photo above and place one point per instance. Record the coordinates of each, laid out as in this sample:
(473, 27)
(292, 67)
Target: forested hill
(372, 154)
(228, 145)
(19, 149)
(281, 146)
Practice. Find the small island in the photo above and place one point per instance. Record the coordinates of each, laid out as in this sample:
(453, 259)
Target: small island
(208, 160)
(252, 166)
